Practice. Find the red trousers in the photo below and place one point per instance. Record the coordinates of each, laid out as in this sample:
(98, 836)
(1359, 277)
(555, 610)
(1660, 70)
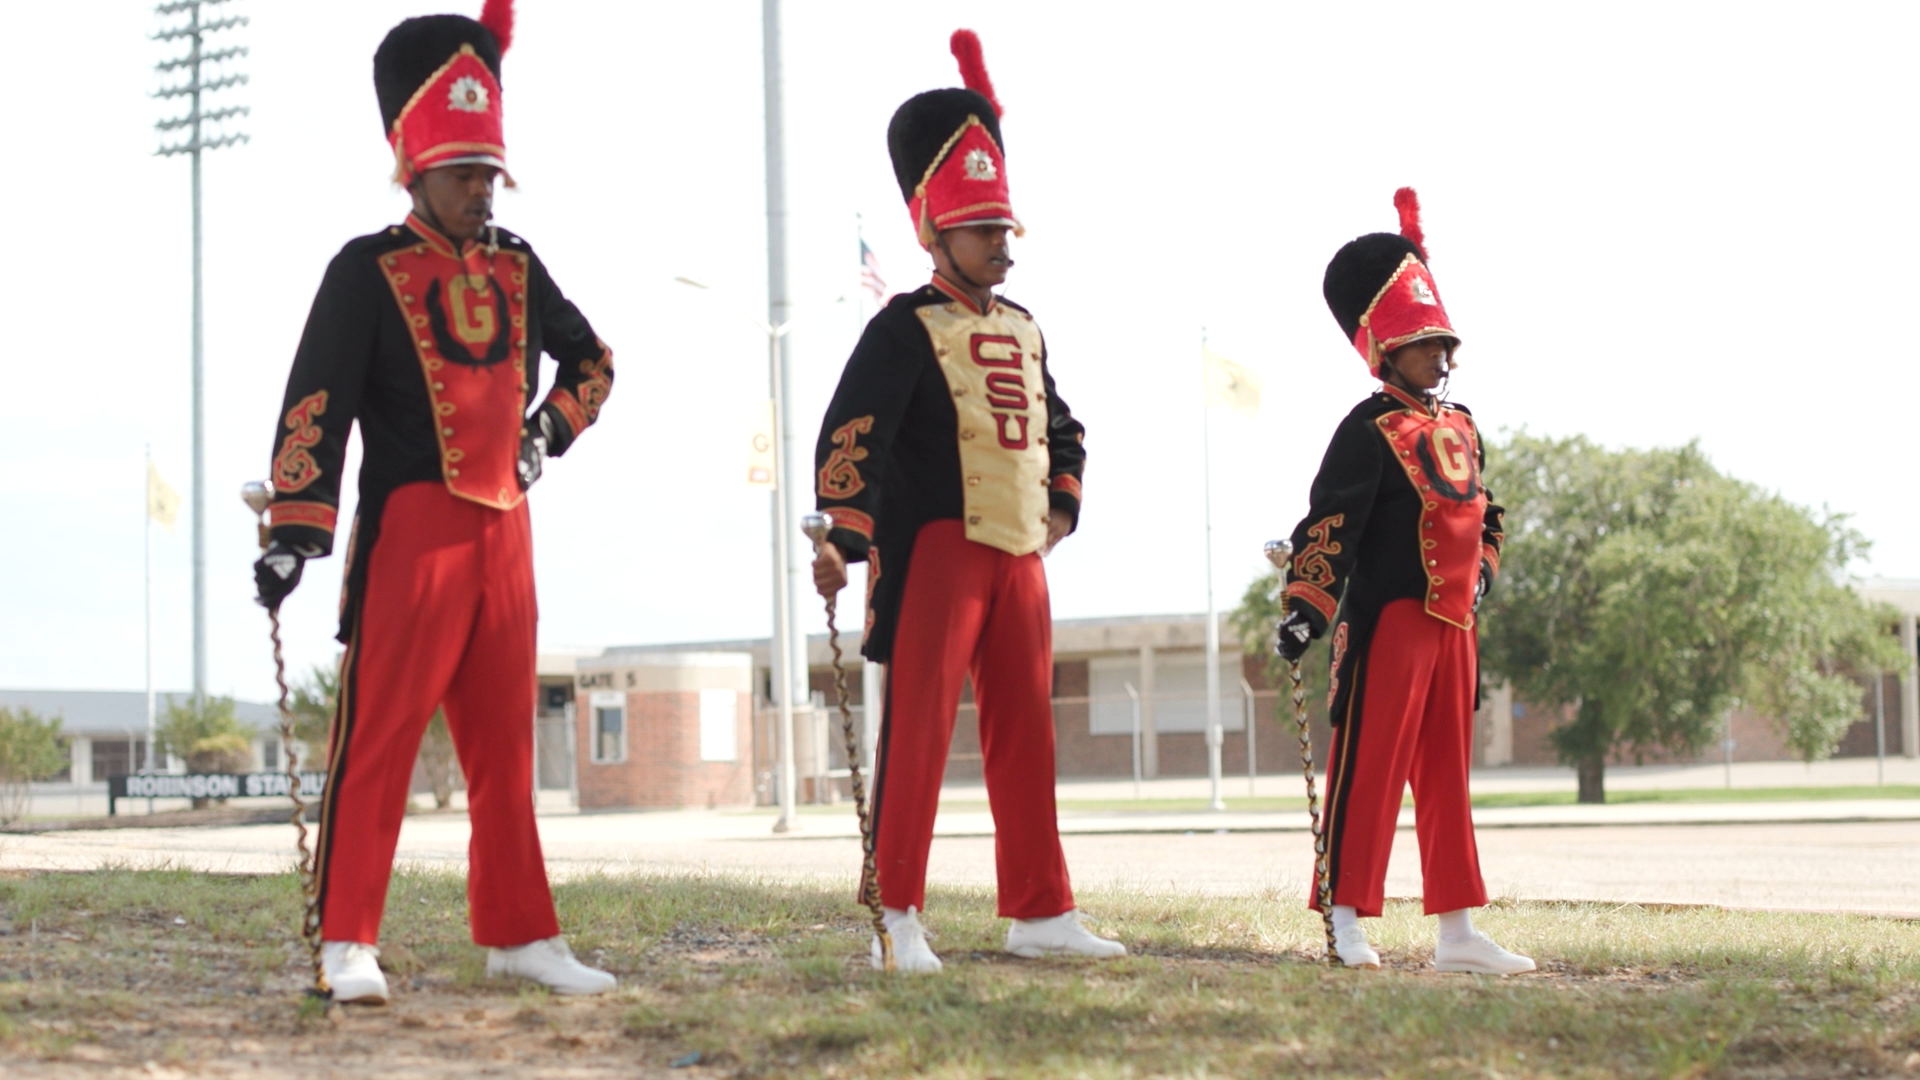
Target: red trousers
(971, 609)
(1415, 722)
(446, 619)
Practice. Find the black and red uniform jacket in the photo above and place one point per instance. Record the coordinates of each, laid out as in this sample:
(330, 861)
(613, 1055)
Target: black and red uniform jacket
(434, 351)
(944, 411)
(1398, 512)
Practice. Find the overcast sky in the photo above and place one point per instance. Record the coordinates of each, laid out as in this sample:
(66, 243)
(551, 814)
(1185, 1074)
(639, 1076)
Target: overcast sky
(1652, 223)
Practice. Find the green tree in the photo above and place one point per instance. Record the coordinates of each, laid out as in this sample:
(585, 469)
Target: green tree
(1254, 621)
(1652, 594)
(437, 758)
(207, 735)
(30, 750)
(312, 703)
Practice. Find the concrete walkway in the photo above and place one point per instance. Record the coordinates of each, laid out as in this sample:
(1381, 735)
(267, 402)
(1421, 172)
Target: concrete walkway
(1857, 855)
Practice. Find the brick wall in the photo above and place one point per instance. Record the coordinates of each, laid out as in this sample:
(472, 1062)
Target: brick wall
(663, 769)
(1756, 738)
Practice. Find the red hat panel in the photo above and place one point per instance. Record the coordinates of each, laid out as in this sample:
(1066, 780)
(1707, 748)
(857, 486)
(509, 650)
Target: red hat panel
(965, 185)
(1407, 308)
(454, 117)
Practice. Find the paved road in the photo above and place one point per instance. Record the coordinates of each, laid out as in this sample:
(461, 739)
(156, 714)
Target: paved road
(1858, 865)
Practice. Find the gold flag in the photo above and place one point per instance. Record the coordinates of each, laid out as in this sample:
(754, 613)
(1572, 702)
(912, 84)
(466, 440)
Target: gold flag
(760, 451)
(1231, 385)
(163, 503)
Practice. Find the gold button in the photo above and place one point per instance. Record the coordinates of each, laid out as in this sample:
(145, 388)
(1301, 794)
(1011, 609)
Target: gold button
(1043, 440)
(519, 298)
(456, 472)
(974, 520)
(523, 433)
(953, 307)
(1436, 596)
(966, 434)
(942, 350)
(1426, 487)
(391, 261)
(1406, 453)
(1045, 483)
(522, 343)
(1044, 520)
(1429, 524)
(961, 392)
(394, 231)
(425, 344)
(420, 249)
(973, 481)
(523, 387)
(407, 299)
(1430, 562)
(1040, 397)
(439, 386)
(448, 432)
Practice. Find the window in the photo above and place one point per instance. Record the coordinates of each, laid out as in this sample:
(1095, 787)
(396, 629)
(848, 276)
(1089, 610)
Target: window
(719, 725)
(609, 735)
(1179, 693)
(270, 753)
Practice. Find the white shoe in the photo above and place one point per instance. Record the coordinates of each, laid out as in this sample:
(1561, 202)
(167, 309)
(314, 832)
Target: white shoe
(551, 964)
(1350, 945)
(353, 972)
(910, 950)
(1480, 956)
(1062, 935)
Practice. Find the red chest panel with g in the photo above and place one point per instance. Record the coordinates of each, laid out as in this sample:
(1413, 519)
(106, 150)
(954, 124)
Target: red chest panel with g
(1440, 458)
(470, 333)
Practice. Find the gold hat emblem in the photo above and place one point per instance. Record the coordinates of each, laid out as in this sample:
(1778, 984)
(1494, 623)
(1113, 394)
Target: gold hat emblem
(979, 166)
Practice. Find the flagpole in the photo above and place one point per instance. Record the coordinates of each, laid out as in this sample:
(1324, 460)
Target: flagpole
(1214, 735)
(146, 537)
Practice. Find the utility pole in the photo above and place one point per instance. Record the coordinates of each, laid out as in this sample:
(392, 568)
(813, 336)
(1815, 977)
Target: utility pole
(194, 32)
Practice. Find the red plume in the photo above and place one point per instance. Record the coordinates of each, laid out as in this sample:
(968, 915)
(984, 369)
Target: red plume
(497, 16)
(973, 66)
(1407, 201)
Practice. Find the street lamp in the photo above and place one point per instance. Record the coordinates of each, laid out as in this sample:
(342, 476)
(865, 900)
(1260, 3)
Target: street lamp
(785, 675)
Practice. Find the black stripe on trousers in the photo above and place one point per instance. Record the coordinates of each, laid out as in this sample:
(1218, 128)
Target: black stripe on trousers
(345, 709)
(1340, 772)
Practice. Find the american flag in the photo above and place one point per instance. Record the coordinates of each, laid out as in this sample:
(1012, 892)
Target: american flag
(870, 278)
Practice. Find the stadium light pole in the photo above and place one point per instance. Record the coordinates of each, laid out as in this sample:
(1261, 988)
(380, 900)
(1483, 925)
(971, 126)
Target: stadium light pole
(197, 58)
(779, 650)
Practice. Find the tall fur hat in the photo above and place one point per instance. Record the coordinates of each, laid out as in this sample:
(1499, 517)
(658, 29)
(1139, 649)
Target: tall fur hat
(438, 81)
(1381, 292)
(948, 154)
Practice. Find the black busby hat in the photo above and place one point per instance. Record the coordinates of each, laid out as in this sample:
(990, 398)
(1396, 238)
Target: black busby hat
(418, 48)
(925, 124)
(1358, 271)
(1380, 290)
(947, 151)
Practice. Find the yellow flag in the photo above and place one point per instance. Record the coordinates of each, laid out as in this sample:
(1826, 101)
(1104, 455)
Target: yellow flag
(1231, 385)
(163, 503)
(760, 451)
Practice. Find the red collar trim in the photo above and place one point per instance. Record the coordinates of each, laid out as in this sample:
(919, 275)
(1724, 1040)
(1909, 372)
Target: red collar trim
(432, 236)
(1409, 400)
(960, 294)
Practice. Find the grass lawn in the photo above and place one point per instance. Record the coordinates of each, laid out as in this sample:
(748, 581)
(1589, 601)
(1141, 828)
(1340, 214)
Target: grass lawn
(177, 974)
(1244, 804)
